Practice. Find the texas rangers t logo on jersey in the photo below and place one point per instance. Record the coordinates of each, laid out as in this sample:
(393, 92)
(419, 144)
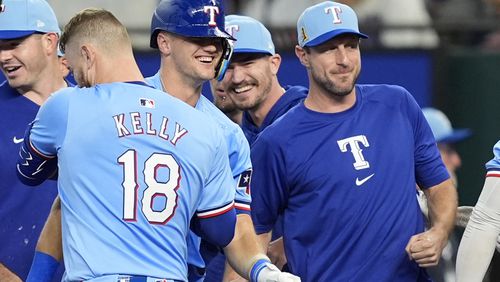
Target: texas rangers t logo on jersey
(356, 151)
(335, 11)
(212, 10)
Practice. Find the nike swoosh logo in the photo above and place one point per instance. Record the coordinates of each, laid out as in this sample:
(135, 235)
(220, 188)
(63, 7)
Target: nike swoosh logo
(16, 140)
(360, 182)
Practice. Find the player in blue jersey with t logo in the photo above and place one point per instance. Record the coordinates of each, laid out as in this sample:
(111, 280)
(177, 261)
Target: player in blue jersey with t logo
(252, 84)
(341, 168)
(134, 165)
(29, 33)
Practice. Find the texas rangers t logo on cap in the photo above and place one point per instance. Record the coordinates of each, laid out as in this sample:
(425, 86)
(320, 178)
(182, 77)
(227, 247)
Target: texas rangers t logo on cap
(336, 10)
(2, 6)
(213, 10)
(232, 29)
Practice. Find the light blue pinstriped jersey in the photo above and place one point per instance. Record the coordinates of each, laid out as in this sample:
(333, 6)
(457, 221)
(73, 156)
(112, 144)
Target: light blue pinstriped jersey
(239, 160)
(134, 166)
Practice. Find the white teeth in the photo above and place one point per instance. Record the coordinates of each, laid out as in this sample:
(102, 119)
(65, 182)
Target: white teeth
(242, 89)
(205, 59)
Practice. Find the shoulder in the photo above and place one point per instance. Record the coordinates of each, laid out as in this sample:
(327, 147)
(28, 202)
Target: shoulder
(382, 91)
(386, 94)
(282, 128)
(154, 81)
(296, 91)
(227, 125)
(7, 92)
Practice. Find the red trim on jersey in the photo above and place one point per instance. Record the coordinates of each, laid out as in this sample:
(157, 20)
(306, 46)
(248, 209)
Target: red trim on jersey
(216, 212)
(40, 154)
(241, 206)
(493, 173)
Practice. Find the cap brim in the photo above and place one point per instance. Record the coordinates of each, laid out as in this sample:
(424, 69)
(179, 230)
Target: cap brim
(251, 50)
(456, 136)
(334, 33)
(224, 34)
(13, 34)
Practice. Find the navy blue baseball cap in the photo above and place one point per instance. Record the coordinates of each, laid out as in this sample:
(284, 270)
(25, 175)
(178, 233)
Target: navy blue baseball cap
(251, 35)
(442, 129)
(324, 21)
(20, 18)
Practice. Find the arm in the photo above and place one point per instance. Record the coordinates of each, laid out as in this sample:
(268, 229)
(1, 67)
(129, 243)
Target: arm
(246, 255)
(479, 239)
(48, 253)
(7, 275)
(425, 248)
(276, 252)
(244, 238)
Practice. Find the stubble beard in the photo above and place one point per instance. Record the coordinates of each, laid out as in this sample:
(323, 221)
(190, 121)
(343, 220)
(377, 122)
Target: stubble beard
(329, 86)
(255, 101)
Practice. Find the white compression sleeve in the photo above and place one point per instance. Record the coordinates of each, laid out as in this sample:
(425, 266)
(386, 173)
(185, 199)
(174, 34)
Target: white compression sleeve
(478, 242)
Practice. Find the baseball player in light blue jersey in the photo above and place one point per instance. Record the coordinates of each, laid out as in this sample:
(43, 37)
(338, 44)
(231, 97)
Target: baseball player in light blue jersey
(29, 33)
(134, 165)
(178, 30)
(203, 57)
(344, 182)
(480, 237)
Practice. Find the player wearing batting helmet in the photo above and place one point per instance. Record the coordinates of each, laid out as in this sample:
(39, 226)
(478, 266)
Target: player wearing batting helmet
(194, 48)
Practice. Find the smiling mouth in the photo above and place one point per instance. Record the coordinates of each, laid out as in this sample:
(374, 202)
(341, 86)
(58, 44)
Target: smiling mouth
(242, 89)
(205, 59)
(9, 70)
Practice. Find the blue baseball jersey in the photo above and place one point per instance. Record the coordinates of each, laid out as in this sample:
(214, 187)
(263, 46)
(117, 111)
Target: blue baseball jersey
(135, 165)
(22, 209)
(493, 166)
(345, 186)
(292, 96)
(239, 161)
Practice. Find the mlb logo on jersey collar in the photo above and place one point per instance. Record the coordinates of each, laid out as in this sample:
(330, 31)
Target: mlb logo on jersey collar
(324, 21)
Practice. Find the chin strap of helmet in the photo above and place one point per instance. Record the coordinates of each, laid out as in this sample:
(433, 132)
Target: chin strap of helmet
(227, 52)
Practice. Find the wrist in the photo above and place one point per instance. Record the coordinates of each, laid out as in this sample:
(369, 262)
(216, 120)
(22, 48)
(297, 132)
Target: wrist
(43, 267)
(257, 267)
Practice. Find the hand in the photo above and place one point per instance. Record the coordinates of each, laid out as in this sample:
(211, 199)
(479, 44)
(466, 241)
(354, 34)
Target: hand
(425, 248)
(8, 276)
(270, 273)
(276, 252)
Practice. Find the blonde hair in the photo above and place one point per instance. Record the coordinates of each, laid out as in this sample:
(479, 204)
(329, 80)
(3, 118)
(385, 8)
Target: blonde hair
(97, 26)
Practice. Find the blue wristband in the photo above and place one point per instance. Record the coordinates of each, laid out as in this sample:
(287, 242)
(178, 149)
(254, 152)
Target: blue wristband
(43, 268)
(257, 268)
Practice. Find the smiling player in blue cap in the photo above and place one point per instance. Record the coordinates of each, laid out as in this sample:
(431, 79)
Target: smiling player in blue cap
(29, 33)
(252, 84)
(341, 168)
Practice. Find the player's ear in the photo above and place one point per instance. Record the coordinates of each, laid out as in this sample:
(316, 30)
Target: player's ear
(88, 55)
(164, 43)
(50, 42)
(275, 61)
(301, 54)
